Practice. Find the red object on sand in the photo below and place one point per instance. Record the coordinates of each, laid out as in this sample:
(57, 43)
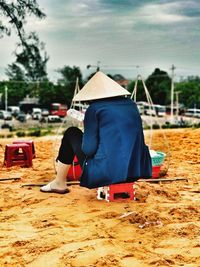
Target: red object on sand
(116, 191)
(28, 142)
(155, 171)
(75, 171)
(18, 154)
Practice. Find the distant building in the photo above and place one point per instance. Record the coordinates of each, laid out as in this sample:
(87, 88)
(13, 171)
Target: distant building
(28, 103)
(121, 80)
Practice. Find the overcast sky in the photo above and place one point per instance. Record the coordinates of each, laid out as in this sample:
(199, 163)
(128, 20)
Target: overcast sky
(125, 36)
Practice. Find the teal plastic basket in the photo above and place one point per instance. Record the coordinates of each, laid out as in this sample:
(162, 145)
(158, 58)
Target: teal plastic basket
(158, 159)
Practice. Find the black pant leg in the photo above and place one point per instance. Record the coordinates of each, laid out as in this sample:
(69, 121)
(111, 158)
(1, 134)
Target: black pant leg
(70, 146)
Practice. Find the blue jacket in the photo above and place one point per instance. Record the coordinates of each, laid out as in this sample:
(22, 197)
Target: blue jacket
(113, 143)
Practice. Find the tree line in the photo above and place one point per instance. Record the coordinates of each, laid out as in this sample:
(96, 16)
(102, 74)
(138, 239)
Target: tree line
(158, 84)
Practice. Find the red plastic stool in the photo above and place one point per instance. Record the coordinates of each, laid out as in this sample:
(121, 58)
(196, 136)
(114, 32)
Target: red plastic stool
(75, 171)
(117, 192)
(28, 142)
(18, 154)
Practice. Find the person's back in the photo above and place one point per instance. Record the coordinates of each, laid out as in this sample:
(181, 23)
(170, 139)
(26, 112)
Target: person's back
(113, 142)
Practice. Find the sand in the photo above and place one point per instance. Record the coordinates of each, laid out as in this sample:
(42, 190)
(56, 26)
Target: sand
(160, 228)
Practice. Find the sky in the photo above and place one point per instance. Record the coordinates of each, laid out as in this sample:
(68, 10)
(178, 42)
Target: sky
(127, 37)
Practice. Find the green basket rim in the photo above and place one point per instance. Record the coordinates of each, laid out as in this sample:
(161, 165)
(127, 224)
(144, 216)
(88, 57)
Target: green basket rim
(159, 154)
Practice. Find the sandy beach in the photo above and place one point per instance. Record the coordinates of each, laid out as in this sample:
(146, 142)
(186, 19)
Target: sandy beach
(160, 228)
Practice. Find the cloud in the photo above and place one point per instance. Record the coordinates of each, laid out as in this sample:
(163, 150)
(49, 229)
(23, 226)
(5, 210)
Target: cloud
(165, 13)
(101, 26)
(113, 15)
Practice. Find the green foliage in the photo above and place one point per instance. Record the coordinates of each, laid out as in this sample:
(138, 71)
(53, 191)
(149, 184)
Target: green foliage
(10, 136)
(196, 125)
(20, 134)
(140, 96)
(93, 73)
(15, 73)
(158, 85)
(66, 85)
(45, 90)
(16, 92)
(155, 126)
(189, 92)
(6, 135)
(130, 86)
(63, 91)
(47, 132)
(47, 94)
(35, 132)
(31, 60)
(14, 14)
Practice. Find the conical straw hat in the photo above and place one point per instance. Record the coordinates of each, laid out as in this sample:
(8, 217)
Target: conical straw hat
(100, 86)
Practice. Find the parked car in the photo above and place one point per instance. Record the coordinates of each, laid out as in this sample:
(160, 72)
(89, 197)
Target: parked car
(45, 112)
(193, 112)
(14, 110)
(37, 113)
(5, 115)
(53, 118)
(37, 116)
(21, 117)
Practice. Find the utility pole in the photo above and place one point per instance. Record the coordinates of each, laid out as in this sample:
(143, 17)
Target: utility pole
(6, 98)
(172, 93)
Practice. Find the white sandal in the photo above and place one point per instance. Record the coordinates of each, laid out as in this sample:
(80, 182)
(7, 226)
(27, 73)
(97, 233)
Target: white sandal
(47, 189)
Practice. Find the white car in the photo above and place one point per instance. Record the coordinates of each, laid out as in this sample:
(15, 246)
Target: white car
(37, 113)
(5, 115)
(53, 118)
(14, 110)
(45, 112)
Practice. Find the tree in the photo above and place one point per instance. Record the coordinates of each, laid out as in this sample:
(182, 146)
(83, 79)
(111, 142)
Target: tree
(91, 75)
(14, 15)
(15, 73)
(31, 60)
(189, 92)
(159, 86)
(66, 85)
(47, 94)
(140, 90)
(16, 92)
(30, 64)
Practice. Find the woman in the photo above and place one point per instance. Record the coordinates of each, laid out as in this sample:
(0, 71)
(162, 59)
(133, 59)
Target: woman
(111, 149)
